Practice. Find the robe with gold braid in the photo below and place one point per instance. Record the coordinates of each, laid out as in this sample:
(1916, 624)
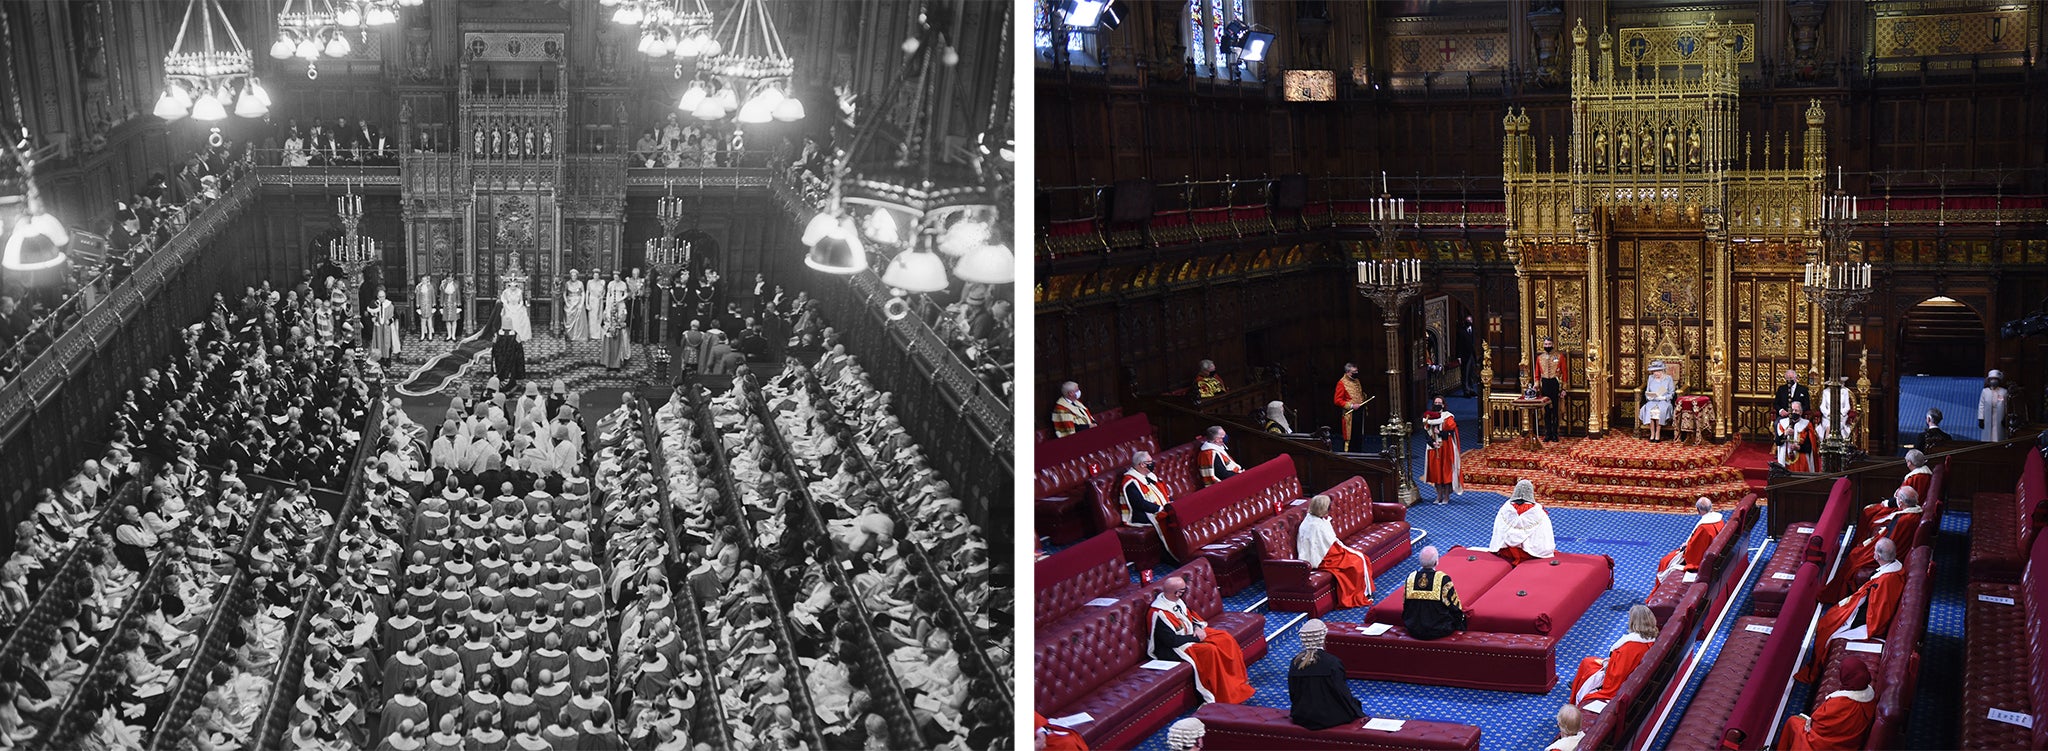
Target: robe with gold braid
(1070, 416)
(1349, 396)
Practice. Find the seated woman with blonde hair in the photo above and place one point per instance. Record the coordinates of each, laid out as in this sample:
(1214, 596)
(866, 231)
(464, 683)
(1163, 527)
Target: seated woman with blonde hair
(1316, 544)
(1600, 678)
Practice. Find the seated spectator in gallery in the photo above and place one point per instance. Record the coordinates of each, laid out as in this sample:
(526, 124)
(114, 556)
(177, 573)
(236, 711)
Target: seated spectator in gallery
(1600, 678)
(1318, 696)
(1430, 607)
(1207, 383)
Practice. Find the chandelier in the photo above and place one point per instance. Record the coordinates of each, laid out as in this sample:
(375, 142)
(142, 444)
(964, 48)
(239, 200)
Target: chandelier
(665, 253)
(309, 29)
(668, 27)
(745, 73)
(38, 239)
(352, 251)
(207, 73)
(910, 199)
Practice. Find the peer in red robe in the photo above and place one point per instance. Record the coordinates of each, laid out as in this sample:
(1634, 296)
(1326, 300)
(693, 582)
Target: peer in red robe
(1056, 738)
(1179, 634)
(1599, 679)
(1867, 614)
(1213, 461)
(1703, 532)
(1316, 544)
(1442, 467)
(1898, 524)
(1798, 443)
(1841, 720)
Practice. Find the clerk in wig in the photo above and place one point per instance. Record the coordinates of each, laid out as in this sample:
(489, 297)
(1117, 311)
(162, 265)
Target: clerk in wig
(1214, 462)
(1180, 635)
(1521, 530)
(1703, 531)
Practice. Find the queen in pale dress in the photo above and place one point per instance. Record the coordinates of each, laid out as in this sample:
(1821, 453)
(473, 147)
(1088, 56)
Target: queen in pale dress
(1657, 395)
(512, 312)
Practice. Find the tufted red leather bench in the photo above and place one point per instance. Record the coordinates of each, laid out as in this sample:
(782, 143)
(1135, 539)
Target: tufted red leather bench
(1064, 465)
(1378, 530)
(1608, 725)
(1895, 668)
(1067, 580)
(1216, 522)
(1238, 726)
(2004, 654)
(1175, 468)
(1814, 542)
(2002, 525)
(1715, 700)
(1740, 694)
(1672, 587)
(1469, 659)
(1092, 667)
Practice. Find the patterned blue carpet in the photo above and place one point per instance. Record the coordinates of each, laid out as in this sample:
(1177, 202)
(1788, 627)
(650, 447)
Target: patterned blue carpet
(1956, 397)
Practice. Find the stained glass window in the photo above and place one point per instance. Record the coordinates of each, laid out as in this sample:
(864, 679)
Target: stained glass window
(1206, 19)
(1041, 35)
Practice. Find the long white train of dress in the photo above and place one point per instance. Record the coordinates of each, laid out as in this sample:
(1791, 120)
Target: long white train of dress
(512, 312)
(578, 324)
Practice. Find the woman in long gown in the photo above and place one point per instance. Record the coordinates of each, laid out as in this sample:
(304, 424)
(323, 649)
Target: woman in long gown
(593, 305)
(1657, 396)
(576, 324)
(617, 348)
(512, 309)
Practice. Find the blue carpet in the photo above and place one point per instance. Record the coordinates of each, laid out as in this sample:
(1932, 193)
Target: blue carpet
(1507, 720)
(1933, 722)
(1956, 397)
(1760, 547)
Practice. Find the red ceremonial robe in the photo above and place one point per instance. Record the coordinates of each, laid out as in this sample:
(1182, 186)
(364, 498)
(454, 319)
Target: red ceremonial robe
(1703, 533)
(1442, 466)
(1350, 570)
(1600, 680)
(1218, 660)
(1349, 391)
(1801, 453)
(1058, 738)
(1212, 458)
(1897, 526)
(1840, 721)
(1867, 614)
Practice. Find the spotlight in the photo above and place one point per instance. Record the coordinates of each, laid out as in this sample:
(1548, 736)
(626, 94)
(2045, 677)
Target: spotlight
(1091, 14)
(1255, 45)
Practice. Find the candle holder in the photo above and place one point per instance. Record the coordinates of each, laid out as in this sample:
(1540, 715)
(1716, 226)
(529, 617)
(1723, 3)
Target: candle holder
(666, 254)
(352, 251)
(1390, 284)
(1839, 285)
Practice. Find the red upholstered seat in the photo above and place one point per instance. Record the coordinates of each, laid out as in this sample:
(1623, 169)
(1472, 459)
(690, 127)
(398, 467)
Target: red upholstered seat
(1378, 530)
(1206, 600)
(1091, 666)
(1487, 661)
(1803, 542)
(1064, 465)
(1715, 700)
(1215, 522)
(1239, 726)
(1473, 572)
(1065, 580)
(1541, 597)
(1713, 573)
(2003, 526)
(1175, 468)
(1995, 666)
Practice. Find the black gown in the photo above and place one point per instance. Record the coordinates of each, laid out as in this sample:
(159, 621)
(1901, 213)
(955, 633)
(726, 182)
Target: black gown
(1319, 696)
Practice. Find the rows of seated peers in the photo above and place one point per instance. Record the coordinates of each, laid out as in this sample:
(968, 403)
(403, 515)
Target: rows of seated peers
(33, 318)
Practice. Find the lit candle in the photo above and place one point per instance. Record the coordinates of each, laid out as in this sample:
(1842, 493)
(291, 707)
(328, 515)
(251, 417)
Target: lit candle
(1838, 177)
(1362, 272)
(1383, 182)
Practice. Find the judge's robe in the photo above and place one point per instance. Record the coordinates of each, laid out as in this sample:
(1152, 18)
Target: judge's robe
(1317, 545)
(1688, 558)
(1522, 532)
(1867, 614)
(1318, 695)
(1600, 680)
(1216, 656)
(1840, 721)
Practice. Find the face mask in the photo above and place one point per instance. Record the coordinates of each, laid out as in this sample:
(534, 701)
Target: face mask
(1148, 466)
(1548, 348)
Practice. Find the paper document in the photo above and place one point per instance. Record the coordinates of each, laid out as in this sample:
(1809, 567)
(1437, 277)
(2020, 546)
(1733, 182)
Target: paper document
(1100, 602)
(1215, 547)
(1873, 647)
(1382, 723)
(1596, 706)
(1375, 629)
(1784, 576)
(1298, 501)
(1690, 577)
(1072, 720)
(2021, 719)
(1159, 665)
(1761, 629)
(1997, 599)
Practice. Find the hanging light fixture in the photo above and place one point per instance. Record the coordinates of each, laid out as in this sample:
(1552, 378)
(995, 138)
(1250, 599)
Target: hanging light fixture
(746, 73)
(309, 29)
(207, 72)
(668, 27)
(38, 239)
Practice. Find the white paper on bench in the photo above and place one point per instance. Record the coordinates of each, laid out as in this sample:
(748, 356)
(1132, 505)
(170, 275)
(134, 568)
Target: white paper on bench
(1787, 576)
(1298, 501)
(1159, 665)
(1597, 706)
(1758, 628)
(1072, 720)
(1215, 547)
(1382, 723)
(1375, 629)
(2008, 717)
(1690, 577)
(1101, 602)
(1997, 599)
(1873, 647)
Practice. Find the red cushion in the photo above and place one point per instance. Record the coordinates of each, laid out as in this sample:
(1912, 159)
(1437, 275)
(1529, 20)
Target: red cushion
(1210, 515)
(1541, 597)
(1093, 649)
(1994, 552)
(1239, 726)
(1469, 659)
(1473, 572)
(1996, 666)
(1134, 706)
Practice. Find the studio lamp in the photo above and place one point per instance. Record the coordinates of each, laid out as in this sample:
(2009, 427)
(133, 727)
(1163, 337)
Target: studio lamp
(1090, 14)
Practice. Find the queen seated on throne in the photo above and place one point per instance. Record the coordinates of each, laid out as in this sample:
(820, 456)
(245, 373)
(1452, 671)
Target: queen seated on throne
(1659, 392)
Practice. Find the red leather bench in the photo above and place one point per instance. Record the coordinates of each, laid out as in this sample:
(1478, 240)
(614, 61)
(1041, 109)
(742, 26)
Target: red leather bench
(1803, 543)
(1672, 587)
(1750, 669)
(1063, 466)
(1216, 522)
(1175, 468)
(2002, 526)
(1609, 724)
(1468, 659)
(2005, 652)
(1102, 417)
(1377, 530)
(1895, 669)
(1083, 664)
(1239, 726)
(1067, 580)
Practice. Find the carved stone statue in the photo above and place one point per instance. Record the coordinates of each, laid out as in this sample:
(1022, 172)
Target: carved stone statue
(1625, 148)
(547, 141)
(1692, 147)
(1668, 158)
(497, 142)
(1600, 149)
(527, 148)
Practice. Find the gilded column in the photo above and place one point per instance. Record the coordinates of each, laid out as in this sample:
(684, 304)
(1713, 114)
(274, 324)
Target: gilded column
(1597, 371)
(1717, 364)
